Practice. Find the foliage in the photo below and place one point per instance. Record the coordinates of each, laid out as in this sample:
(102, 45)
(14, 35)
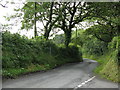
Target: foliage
(66, 15)
(108, 60)
(90, 44)
(59, 39)
(72, 52)
(106, 53)
(115, 46)
(81, 37)
(95, 46)
(101, 32)
(40, 11)
(100, 40)
(22, 55)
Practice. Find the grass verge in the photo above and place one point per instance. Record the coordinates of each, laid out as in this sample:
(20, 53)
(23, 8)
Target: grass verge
(108, 67)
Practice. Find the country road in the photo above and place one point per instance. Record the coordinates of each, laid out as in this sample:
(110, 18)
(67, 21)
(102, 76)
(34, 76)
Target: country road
(75, 75)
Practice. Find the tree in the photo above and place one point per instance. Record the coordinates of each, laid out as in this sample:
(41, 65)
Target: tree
(66, 15)
(72, 14)
(52, 19)
(35, 28)
(101, 32)
(30, 16)
(3, 5)
(107, 14)
(43, 12)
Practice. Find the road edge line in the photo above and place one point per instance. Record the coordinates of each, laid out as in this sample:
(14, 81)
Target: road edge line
(80, 85)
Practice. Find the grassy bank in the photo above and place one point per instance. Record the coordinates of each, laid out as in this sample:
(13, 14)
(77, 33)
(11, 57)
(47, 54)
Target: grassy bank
(109, 62)
(107, 68)
(21, 55)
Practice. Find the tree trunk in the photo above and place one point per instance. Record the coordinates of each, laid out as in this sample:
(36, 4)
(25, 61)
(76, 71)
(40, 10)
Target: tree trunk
(46, 34)
(48, 26)
(67, 38)
(35, 28)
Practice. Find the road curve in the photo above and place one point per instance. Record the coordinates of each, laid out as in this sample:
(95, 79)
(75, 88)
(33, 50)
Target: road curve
(75, 75)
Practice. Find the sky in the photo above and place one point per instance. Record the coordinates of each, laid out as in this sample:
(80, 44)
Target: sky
(8, 11)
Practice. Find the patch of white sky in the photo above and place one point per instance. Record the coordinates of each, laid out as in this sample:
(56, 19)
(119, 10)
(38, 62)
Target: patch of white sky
(9, 10)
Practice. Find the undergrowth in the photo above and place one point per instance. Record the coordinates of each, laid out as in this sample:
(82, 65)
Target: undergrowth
(21, 55)
(108, 62)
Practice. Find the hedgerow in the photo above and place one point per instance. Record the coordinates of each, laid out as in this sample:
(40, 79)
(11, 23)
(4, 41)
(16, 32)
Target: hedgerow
(21, 55)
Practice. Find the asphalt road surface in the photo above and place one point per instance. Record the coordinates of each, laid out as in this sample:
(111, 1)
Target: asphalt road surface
(75, 75)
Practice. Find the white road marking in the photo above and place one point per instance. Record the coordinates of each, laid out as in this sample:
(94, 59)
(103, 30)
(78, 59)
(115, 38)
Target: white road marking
(78, 86)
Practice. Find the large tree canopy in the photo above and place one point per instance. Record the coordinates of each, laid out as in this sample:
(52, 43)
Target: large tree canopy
(66, 15)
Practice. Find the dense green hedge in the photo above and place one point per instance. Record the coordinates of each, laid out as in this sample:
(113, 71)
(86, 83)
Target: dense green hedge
(21, 55)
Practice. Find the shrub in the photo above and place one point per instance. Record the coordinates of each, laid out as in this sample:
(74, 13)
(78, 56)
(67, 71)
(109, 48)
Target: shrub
(95, 47)
(71, 52)
(20, 52)
(114, 46)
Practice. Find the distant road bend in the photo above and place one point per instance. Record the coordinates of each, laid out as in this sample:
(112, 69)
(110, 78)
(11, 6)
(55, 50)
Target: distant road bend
(75, 75)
